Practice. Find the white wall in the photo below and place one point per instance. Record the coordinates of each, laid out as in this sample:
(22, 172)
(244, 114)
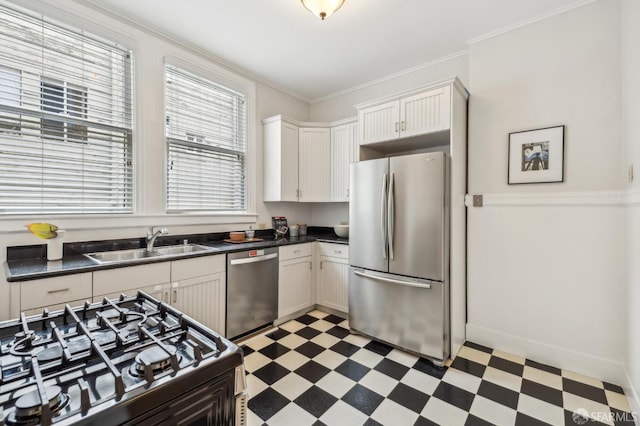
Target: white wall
(149, 50)
(339, 107)
(547, 280)
(631, 138)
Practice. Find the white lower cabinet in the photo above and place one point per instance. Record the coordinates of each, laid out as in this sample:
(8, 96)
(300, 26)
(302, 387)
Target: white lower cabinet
(202, 298)
(54, 293)
(151, 278)
(295, 279)
(333, 277)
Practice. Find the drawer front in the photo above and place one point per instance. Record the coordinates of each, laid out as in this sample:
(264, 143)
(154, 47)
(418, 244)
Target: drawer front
(53, 308)
(197, 267)
(340, 251)
(295, 250)
(129, 278)
(55, 291)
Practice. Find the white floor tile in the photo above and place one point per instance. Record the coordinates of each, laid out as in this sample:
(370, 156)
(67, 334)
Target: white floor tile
(423, 382)
(462, 380)
(255, 385)
(342, 413)
(510, 357)
(543, 377)
(292, 341)
(318, 314)
(378, 382)
(292, 360)
(402, 357)
(492, 412)
(368, 358)
(259, 342)
(583, 379)
(540, 410)
(336, 384)
(356, 339)
(444, 413)
(322, 325)
(253, 419)
(255, 361)
(474, 355)
(618, 401)
(292, 326)
(392, 413)
(344, 324)
(292, 415)
(502, 378)
(292, 386)
(597, 411)
(325, 340)
(330, 359)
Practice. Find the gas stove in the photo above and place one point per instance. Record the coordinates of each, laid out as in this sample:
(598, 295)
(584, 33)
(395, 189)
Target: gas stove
(134, 360)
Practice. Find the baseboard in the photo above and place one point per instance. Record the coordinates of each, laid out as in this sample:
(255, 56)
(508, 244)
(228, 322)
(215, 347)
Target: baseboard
(556, 356)
(632, 397)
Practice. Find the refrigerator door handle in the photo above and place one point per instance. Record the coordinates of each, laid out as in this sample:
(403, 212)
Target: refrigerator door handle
(391, 213)
(383, 216)
(392, 281)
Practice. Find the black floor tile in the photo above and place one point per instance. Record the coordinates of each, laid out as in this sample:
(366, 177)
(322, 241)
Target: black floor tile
(316, 401)
(309, 349)
(308, 332)
(478, 347)
(613, 388)
(506, 365)
(345, 348)
(339, 332)
(363, 399)
(379, 348)
(468, 366)
(271, 373)
(424, 422)
(545, 393)
(278, 334)
(333, 318)
(353, 370)
(267, 403)
(274, 350)
(392, 368)
(312, 371)
(306, 319)
(476, 421)
(246, 350)
(584, 390)
(454, 395)
(543, 367)
(622, 418)
(499, 394)
(409, 397)
(371, 422)
(524, 420)
(319, 423)
(427, 367)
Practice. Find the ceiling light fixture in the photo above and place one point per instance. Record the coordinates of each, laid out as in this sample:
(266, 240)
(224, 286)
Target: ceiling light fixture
(322, 8)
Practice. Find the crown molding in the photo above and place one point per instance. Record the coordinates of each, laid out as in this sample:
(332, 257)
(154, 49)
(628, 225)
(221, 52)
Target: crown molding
(392, 76)
(530, 21)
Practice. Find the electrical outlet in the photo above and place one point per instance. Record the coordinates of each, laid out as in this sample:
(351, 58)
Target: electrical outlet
(477, 201)
(630, 173)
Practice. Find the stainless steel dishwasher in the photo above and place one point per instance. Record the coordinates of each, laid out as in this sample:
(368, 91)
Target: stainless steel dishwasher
(252, 290)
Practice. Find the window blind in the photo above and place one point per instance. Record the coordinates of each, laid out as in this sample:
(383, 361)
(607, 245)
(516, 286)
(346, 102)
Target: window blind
(206, 144)
(65, 119)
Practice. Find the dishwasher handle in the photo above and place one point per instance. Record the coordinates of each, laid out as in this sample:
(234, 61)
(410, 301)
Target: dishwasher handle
(253, 259)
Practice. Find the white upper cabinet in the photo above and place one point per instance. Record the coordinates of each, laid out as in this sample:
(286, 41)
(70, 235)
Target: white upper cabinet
(344, 150)
(411, 115)
(280, 159)
(314, 165)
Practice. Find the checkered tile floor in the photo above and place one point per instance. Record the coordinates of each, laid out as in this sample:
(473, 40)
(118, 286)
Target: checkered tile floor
(311, 371)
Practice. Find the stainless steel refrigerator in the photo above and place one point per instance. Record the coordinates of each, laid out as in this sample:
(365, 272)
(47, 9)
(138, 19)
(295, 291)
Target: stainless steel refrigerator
(398, 252)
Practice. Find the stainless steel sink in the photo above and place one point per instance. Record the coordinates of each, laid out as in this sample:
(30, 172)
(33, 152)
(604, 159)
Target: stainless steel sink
(133, 255)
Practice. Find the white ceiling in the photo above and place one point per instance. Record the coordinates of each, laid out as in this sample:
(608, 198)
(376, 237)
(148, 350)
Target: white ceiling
(281, 42)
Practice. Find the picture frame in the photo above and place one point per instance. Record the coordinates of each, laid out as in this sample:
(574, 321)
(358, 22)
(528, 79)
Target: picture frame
(536, 156)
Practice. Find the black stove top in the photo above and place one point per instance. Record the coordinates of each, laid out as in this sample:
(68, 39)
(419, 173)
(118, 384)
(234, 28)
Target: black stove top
(66, 366)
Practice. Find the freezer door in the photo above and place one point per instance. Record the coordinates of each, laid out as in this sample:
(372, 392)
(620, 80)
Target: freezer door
(409, 313)
(417, 216)
(368, 214)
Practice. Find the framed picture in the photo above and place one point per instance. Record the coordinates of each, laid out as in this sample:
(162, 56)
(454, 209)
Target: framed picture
(536, 156)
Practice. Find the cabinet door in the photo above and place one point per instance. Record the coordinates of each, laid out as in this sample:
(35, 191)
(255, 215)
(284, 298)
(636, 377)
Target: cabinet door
(379, 123)
(159, 291)
(425, 112)
(280, 141)
(203, 299)
(289, 166)
(129, 279)
(354, 154)
(340, 157)
(294, 285)
(314, 167)
(333, 283)
(53, 308)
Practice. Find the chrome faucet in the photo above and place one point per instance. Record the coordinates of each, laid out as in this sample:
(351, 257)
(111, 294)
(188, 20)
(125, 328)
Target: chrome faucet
(152, 234)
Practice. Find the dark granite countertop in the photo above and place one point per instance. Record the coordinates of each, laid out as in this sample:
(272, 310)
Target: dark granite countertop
(29, 263)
